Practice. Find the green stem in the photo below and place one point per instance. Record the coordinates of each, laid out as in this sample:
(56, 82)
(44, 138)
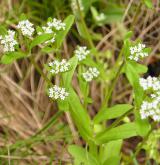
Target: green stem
(52, 121)
(138, 10)
(93, 149)
(86, 95)
(40, 71)
(117, 121)
(73, 130)
(139, 147)
(109, 93)
(90, 42)
(108, 96)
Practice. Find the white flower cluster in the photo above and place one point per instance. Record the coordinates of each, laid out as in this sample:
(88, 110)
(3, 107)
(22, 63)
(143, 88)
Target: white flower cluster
(90, 74)
(59, 67)
(150, 83)
(46, 30)
(8, 41)
(57, 24)
(81, 52)
(151, 108)
(26, 28)
(137, 52)
(56, 92)
(53, 24)
(56, 66)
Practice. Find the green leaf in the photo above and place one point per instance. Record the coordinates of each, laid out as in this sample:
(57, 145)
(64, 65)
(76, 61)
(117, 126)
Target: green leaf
(128, 35)
(94, 12)
(110, 152)
(139, 68)
(81, 29)
(99, 18)
(132, 70)
(113, 13)
(121, 132)
(11, 57)
(50, 123)
(142, 126)
(40, 39)
(133, 78)
(63, 105)
(112, 112)
(87, 4)
(3, 30)
(149, 4)
(82, 156)
(23, 17)
(47, 49)
(60, 36)
(67, 79)
(80, 116)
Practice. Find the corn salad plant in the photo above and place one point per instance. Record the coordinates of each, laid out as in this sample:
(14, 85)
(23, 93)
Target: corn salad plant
(103, 141)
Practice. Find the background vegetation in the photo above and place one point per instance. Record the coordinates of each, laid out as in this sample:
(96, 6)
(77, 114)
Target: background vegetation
(32, 130)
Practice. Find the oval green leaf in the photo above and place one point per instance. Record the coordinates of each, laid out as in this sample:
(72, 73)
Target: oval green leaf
(112, 112)
(40, 39)
(11, 57)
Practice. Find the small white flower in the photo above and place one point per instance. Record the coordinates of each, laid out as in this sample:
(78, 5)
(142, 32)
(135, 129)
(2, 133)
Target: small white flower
(57, 24)
(50, 28)
(81, 52)
(9, 42)
(150, 109)
(47, 30)
(87, 76)
(90, 74)
(56, 92)
(150, 83)
(59, 67)
(94, 71)
(137, 52)
(26, 28)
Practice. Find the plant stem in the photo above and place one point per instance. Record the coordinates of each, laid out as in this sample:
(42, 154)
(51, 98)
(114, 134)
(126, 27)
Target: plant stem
(138, 10)
(90, 42)
(139, 147)
(108, 95)
(67, 114)
(72, 128)
(52, 121)
(40, 71)
(117, 121)
(93, 149)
